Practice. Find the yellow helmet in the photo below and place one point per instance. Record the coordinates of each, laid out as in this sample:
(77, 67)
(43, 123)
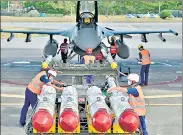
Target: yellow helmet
(44, 65)
(113, 38)
(139, 46)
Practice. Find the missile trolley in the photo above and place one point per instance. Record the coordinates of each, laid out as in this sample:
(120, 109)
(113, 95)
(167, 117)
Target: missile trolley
(83, 108)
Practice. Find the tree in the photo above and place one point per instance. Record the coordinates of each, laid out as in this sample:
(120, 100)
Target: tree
(4, 4)
(108, 7)
(165, 14)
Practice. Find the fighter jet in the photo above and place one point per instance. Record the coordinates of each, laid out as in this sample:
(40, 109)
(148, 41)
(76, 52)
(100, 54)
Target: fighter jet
(87, 33)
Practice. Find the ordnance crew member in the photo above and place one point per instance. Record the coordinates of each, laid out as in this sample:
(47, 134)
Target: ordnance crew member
(136, 99)
(144, 57)
(88, 57)
(113, 47)
(64, 50)
(99, 57)
(85, 60)
(34, 88)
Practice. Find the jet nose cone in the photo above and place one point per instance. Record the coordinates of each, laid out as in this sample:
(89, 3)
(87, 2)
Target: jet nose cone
(129, 121)
(68, 121)
(42, 121)
(102, 121)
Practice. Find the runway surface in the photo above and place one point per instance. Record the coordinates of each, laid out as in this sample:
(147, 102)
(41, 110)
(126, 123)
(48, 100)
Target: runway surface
(20, 62)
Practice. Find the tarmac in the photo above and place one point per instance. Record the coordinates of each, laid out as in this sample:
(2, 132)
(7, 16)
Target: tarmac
(20, 62)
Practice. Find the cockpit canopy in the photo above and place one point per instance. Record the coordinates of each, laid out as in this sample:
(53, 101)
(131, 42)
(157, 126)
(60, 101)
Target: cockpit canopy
(87, 12)
(87, 17)
(87, 6)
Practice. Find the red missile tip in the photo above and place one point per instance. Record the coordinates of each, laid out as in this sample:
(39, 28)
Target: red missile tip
(68, 121)
(42, 121)
(129, 121)
(102, 121)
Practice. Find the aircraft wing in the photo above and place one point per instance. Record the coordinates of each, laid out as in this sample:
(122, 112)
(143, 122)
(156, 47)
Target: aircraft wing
(124, 34)
(48, 32)
(143, 32)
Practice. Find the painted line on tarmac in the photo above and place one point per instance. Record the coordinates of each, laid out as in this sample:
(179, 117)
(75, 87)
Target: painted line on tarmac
(179, 72)
(12, 96)
(131, 26)
(163, 96)
(165, 64)
(11, 104)
(177, 80)
(6, 64)
(21, 62)
(164, 104)
(147, 97)
(12, 83)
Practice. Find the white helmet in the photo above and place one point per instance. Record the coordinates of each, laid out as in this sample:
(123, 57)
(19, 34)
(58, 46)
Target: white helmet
(133, 77)
(53, 73)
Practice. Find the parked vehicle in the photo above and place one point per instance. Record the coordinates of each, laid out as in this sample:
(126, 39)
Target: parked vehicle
(130, 16)
(140, 16)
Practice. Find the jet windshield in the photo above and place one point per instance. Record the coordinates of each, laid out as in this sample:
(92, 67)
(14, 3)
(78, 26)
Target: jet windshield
(87, 6)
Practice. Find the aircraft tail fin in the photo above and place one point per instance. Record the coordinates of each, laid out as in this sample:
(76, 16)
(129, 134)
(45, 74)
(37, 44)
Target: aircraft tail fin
(96, 11)
(77, 11)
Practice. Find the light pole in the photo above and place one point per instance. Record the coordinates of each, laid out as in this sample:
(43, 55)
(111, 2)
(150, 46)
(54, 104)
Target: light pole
(124, 10)
(159, 7)
(8, 6)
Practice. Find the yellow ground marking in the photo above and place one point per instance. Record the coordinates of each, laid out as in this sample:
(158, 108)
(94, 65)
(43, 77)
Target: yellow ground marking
(164, 104)
(11, 104)
(12, 95)
(164, 96)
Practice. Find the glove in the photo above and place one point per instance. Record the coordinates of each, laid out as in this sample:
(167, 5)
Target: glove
(61, 83)
(139, 62)
(65, 51)
(39, 97)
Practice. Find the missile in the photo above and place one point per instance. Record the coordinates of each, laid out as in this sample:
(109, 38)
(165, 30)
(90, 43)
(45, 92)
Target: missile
(126, 118)
(98, 110)
(11, 37)
(69, 114)
(160, 36)
(43, 120)
(175, 33)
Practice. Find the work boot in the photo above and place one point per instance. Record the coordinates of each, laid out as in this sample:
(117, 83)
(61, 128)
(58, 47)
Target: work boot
(21, 125)
(142, 84)
(139, 132)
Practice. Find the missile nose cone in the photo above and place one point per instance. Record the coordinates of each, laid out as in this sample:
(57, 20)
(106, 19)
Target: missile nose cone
(129, 121)
(68, 121)
(102, 121)
(42, 121)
